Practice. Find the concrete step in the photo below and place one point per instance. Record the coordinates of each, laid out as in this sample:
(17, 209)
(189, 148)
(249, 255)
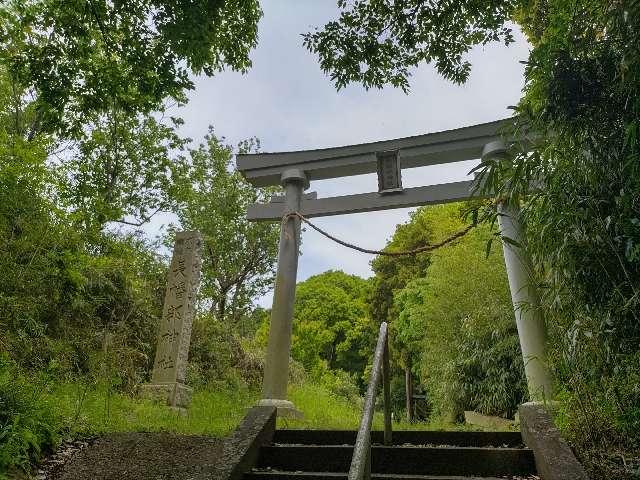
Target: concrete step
(461, 461)
(279, 475)
(348, 437)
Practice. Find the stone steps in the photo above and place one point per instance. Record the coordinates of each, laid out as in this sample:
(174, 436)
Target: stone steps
(413, 437)
(415, 455)
(278, 475)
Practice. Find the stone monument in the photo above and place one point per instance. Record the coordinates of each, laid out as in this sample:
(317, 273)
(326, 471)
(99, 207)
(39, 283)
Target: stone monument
(174, 335)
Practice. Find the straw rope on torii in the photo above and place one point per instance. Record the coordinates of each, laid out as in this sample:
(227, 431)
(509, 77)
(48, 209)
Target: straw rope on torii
(414, 251)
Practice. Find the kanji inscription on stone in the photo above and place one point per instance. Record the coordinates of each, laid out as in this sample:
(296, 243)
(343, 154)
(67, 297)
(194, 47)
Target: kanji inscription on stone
(174, 335)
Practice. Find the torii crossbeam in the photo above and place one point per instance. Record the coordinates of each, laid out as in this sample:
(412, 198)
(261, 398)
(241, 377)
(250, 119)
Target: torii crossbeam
(294, 171)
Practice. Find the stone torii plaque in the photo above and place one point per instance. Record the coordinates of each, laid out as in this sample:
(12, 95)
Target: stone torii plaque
(174, 334)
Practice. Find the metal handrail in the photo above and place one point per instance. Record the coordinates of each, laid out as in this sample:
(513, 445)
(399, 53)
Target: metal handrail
(361, 461)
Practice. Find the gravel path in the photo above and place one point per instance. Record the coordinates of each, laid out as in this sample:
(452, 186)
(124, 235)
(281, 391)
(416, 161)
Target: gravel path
(129, 456)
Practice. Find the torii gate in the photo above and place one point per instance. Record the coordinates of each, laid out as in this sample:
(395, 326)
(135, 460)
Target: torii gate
(294, 171)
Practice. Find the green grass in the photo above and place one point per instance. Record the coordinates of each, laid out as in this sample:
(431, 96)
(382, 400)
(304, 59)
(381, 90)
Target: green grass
(89, 411)
(322, 410)
(86, 410)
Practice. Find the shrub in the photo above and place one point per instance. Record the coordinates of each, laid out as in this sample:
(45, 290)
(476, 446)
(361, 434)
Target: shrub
(28, 423)
(487, 374)
(340, 384)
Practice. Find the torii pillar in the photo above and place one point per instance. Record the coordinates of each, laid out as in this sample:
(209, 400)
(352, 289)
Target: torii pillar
(276, 369)
(524, 295)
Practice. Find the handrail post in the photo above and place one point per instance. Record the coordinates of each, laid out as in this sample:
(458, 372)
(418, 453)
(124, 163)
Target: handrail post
(386, 391)
(367, 465)
(360, 468)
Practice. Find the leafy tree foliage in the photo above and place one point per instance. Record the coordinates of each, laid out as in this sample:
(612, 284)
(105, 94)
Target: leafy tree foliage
(82, 57)
(27, 247)
(218, 354)
(377, 42)
(65, 291)
(457, 320)
(331, 327)
(90, 77)
(239, 256)
(124, 171)
(583, 228)
(64, 300)
(393, 273)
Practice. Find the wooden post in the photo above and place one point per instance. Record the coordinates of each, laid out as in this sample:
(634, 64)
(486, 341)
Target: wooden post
(408, 389)
(386, 388)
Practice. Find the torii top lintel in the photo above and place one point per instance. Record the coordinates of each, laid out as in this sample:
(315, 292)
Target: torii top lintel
(467, 143)
(263, 169)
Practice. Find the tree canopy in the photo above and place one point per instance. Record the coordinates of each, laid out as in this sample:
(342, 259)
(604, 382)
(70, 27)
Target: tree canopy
(393, 273)
(331, 325)
(80, 58)
(378, 42)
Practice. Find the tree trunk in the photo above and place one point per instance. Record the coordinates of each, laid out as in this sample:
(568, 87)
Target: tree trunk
(408, 384)
(222, 306)
(219, 309)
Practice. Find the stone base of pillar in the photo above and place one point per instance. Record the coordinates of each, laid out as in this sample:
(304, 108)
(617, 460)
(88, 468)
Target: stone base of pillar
(285, 408)
(551, 406)
(554, 458)
(176, 395)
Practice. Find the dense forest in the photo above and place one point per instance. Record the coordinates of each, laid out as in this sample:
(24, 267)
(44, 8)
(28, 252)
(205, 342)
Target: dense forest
(90, 154)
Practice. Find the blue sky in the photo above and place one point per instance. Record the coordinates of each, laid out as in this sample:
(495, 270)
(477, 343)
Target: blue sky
(287, 102)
